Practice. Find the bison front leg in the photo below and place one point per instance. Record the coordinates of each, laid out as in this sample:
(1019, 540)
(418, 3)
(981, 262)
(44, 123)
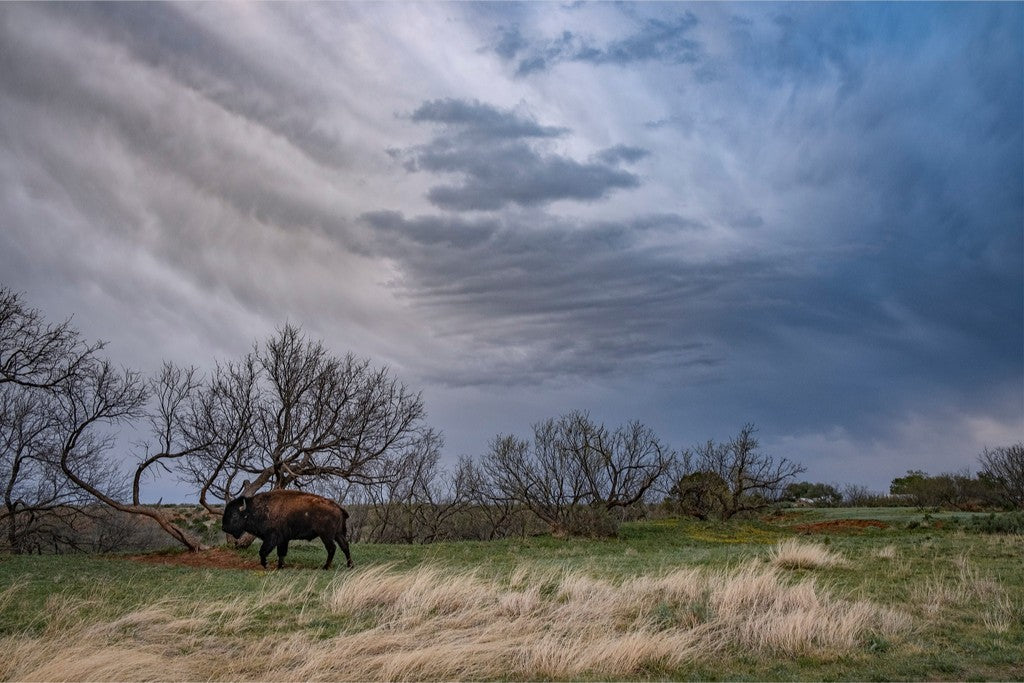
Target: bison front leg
(329, 544)
(282, 550)
(265, 549)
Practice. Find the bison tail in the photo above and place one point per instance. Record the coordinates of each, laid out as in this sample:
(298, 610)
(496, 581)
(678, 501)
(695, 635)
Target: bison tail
(344, 520)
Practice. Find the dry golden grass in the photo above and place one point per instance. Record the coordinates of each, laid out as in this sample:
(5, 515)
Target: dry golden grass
(794, 554)
(1001, 614)
(961, 585)
(8, 594)
(430, 624)
(887, 552)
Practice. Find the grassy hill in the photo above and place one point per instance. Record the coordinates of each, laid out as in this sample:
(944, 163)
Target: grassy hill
(808, 594)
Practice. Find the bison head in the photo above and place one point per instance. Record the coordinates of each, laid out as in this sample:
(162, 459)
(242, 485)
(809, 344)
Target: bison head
(236, 516)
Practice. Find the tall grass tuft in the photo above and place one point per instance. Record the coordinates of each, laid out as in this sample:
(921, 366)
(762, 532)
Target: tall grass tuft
(962, 584)
(794, 554)
(887, 552)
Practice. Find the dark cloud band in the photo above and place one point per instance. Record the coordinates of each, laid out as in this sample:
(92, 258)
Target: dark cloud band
(494, 153)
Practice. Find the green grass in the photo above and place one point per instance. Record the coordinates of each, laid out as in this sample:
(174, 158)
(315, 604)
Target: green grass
(963, 592)
(891, 515)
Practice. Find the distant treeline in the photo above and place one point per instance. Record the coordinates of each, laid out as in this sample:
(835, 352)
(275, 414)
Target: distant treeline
(292, 414)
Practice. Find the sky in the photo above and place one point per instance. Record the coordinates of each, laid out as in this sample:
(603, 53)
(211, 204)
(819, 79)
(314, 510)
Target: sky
(806, 216)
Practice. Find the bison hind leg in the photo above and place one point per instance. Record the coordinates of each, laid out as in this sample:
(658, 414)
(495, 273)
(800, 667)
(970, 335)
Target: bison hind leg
(329, 544)
(282, 550)
(343, 543)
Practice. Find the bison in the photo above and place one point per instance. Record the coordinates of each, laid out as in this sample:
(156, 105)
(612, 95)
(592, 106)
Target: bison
(278, 516)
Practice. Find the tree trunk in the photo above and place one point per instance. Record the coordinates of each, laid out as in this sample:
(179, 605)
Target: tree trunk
(193, 544)
(245, 541)
(173, 530)
(12, 529)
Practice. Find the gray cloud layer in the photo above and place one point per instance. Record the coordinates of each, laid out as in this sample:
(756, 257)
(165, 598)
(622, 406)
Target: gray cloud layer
(655, 39)
(489, 149)
(482, 122)
(804, 215)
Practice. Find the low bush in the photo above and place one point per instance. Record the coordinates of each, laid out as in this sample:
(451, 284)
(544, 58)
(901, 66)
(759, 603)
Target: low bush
(1003, 523)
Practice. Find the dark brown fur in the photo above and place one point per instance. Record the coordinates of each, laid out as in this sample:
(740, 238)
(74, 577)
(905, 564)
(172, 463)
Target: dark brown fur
(278, 516)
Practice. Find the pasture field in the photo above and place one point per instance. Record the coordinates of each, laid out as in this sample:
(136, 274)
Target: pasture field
(863, 594)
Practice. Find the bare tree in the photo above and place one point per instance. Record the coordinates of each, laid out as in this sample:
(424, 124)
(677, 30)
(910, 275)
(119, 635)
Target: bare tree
(294, 414)
(752, 480)
(24, 428)
(858, 495)
(496, 512)
(35, 491)
(89, 404)
(215, 428)
(537, 477)
(437, 497)
(621, 466)
(35, 354)
(287, 414)
(1003, 467)
(56, 400)
(575, 472)
(172, 393)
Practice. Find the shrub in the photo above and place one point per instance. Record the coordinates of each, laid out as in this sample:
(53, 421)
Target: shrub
(957, 490)
(1003, 469)
(1005, 523)
(698, 494)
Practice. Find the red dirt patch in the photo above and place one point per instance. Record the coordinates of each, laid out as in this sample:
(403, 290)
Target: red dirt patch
(215, 558)
(840, 526)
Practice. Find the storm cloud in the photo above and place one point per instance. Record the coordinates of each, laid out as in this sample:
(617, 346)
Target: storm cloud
(806, 216)
(655, 39)
(490, 150)
(476, 120)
